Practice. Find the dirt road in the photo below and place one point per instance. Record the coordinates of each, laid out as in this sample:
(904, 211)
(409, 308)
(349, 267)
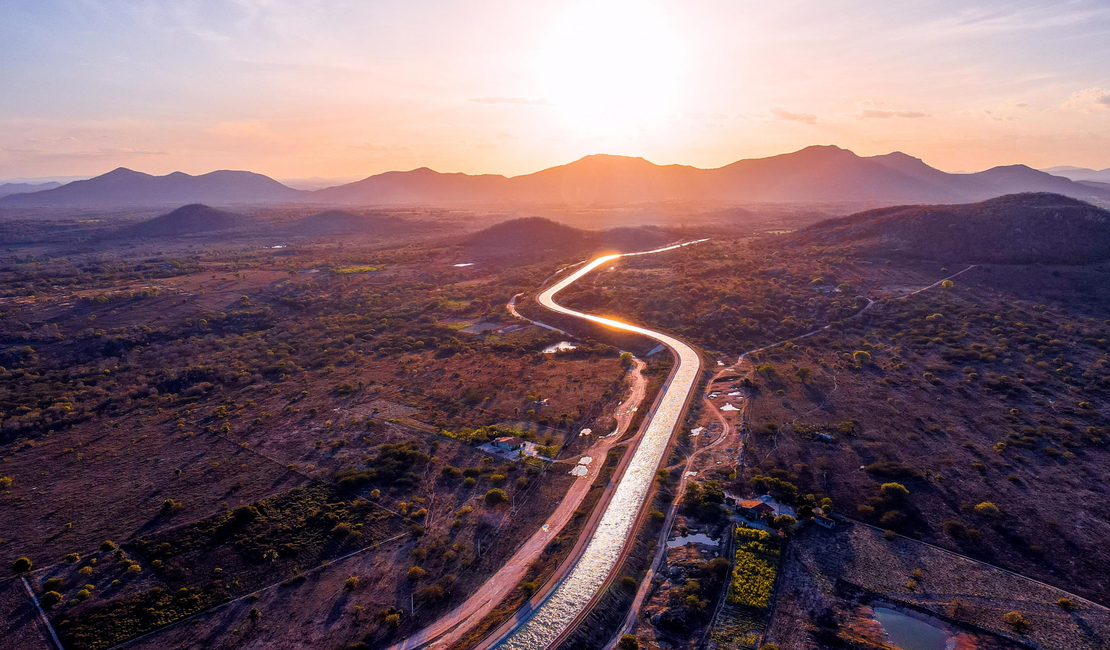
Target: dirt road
(450, 628)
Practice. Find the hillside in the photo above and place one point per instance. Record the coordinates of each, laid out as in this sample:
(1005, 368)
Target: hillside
(123, 186)
(531, 235)
(1018, 228)
(332, 222)
(187, 220)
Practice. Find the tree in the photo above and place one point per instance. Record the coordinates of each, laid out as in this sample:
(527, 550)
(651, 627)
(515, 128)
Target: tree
(626, 359)
(785, 523)
(803, 374)
(254, 615)
(628, 642)
(22, 565)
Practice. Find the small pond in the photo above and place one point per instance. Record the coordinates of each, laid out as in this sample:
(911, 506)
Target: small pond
(910, 633)
(697, 538)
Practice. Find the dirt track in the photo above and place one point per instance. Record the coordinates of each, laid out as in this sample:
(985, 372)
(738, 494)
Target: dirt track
(450, 628)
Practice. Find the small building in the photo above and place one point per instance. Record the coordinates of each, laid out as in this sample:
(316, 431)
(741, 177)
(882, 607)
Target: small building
(755, 509)
(510, 443)
(825, 522)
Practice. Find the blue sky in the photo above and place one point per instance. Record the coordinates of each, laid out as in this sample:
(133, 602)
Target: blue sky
(346, 89)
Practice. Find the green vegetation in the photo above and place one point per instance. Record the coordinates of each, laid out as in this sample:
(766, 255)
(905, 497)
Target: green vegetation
(296, 528)
(358, 269)
(133, 616)
(757, 562)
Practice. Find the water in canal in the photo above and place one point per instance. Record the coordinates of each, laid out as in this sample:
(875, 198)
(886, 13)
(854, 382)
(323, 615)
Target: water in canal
(570, 597)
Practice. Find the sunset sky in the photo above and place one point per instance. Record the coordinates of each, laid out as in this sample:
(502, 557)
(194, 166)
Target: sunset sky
(348, 88)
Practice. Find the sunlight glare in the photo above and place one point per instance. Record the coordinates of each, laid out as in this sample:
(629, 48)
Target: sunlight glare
(611, 66)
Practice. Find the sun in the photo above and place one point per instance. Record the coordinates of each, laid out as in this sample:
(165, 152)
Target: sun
(611, 66)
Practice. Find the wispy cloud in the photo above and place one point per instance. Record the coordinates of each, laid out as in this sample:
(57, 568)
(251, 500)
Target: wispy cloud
(520, 101)
(873, 110)
(106, 153)
(372, 146)
(783, 114)
(250, 129)
(1088, 101)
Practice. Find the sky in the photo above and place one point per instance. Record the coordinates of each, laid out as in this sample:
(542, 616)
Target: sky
(349, 88)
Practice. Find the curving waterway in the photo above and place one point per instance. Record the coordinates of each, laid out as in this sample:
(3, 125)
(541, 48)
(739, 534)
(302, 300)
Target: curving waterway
(551, 618)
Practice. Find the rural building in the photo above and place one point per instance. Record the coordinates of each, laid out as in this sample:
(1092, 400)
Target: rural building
(755, 509)
(511, 443)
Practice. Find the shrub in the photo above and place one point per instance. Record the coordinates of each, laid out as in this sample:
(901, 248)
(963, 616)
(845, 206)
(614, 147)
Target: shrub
(54, 584)
(107, 545)
(496, 496)
(431, 593)
(628, 642)
(1066, 604)
(987, 509)
(861, 357)
(5, 482)
(22, 565)
(1016, 620)
(415, 573)
(72, 558)
(50, 598)
(894, 491)
(351, 583)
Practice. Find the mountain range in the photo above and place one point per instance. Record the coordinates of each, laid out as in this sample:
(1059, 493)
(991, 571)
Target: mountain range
(123, 186)
(7, 189)
(1081, 174)
(813, 174)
